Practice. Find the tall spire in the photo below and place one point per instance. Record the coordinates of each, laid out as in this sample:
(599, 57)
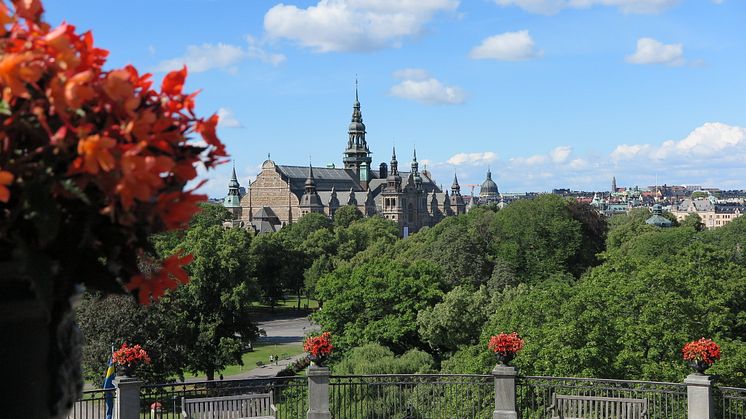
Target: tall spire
(356, 153)
(455, 186)
(310, 182)
(394, 164)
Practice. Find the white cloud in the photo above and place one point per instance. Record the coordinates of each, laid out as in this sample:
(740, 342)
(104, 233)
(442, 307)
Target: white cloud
(560, 154)
(711, 141)
(200, 58)
(418, 85)
(255, 51)
(227, 119)
(650, 51)
(353, 25)
(713, 154)
(549, 7)
(509, 46)
(472, 159)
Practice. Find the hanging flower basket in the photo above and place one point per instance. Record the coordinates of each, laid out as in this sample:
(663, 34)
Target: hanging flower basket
(505, 346)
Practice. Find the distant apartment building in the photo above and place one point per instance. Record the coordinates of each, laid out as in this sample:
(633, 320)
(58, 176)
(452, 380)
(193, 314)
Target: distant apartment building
(712, 213)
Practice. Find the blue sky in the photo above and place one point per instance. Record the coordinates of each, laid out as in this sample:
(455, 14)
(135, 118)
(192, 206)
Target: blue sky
(548, 93)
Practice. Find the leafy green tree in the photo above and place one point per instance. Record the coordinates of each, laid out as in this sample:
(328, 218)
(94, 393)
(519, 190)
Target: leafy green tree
(594, 229)
(455, 321)
(274, 267)
(464, 257)
(538, 237)
(373, 358)
(108, 322)
(296, 233)
(215, 305)
(623, 228)
(694, 221)
(377, 302)
(347, 215)
(362, 234)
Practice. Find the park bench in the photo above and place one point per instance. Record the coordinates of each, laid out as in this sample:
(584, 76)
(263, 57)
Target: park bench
(242, 406)
(595, 407)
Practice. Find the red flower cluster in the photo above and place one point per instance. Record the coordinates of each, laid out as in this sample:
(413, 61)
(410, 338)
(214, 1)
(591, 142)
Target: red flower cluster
(93, 161)
(704, 350)
(319, 346)
(506, 344)
(130, 356)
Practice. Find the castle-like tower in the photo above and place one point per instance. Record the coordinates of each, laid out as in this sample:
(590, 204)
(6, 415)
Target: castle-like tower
(392, 205)
(357, 154)
(457, 201)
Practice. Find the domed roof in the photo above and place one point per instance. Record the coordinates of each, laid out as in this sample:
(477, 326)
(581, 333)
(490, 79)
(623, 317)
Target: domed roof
(357, 126)
(489, 187)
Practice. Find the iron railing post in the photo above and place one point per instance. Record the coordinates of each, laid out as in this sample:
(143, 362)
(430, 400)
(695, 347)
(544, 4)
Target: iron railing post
(505, 386)
(127, 401)
(701, 404)
(318, 393)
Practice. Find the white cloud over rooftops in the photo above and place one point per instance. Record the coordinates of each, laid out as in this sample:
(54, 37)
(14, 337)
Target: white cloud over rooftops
(353, 25)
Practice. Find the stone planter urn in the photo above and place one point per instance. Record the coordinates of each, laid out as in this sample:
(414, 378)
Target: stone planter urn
(504, 359)
(699, 366)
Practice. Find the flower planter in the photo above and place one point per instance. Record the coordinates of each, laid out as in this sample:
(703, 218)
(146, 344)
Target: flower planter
(699, 366)
(504, 359)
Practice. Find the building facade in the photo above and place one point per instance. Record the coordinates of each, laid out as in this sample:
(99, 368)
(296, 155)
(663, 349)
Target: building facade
(712, 213)
(281, 194)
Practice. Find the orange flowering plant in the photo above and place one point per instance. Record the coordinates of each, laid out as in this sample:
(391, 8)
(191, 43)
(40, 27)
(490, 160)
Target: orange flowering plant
(319, 347)
(701, 354)
(505, 346)
(130, 356)
(93, 161)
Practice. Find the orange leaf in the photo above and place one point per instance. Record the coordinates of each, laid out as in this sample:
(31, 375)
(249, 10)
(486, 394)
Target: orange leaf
(173, 83)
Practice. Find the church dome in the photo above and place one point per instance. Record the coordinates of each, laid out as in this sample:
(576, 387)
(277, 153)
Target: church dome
(489, 187)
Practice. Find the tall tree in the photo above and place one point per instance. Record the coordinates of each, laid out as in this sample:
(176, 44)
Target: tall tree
(215, 305)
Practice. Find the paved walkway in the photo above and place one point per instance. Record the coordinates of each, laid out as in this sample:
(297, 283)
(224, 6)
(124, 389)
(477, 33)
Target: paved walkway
(279, 331)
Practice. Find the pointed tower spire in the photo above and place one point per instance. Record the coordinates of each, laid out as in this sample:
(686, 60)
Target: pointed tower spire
(455, 186)
(357, 151)
(310, 182)
(234, 191)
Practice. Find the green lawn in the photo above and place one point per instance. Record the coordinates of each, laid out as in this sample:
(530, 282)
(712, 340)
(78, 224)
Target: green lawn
(290, 303)
(261, 353)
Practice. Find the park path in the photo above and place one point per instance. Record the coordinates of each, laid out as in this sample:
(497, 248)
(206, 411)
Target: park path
(279, 331)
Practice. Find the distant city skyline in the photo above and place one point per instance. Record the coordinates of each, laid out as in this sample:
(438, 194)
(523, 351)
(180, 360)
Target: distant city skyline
(548, 94)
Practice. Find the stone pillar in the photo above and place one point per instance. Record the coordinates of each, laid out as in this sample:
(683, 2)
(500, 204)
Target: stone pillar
(127, 401)
(318, 393)
(699, 396)
(505, 402)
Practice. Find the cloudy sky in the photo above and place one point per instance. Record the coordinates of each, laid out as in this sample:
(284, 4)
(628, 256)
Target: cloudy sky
(548, 93)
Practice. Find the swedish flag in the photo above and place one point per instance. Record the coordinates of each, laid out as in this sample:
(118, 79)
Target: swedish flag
(111, 372)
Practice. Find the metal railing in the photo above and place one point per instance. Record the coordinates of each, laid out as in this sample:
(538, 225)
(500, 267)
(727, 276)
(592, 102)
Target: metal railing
(732, 402)
(92, 404)
(407, 396)
(665, 400)
(290, 394)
